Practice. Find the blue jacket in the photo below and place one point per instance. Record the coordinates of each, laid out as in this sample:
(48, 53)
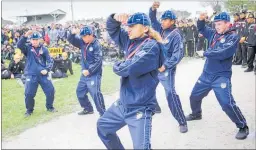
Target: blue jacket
(93, 61)
(173, 42)
(138, 73)
(219, 57)
(35, 64)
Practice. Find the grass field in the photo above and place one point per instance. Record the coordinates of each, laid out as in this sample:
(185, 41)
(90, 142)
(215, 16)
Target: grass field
(13, 105)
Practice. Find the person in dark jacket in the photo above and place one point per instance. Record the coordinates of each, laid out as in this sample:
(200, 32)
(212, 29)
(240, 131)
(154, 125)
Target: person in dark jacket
(16, 67)
(61, 66)
(250, 35)
(90, 80)
(173, 44)
(191, 38)
(237, 26)
(217, 72)
(38, 64)
(241, 33)
(183, 32)
(138, 73)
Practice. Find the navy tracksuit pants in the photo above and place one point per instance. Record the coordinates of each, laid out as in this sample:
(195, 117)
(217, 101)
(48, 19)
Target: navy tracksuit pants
(139, 121)
(31, 86)
(92, 85)
(167, 79)
(222, 89)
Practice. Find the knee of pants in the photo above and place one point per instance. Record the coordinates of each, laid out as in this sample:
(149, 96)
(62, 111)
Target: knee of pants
(194, 97)
(30, 95)
(50, 91)
(96, 93)
(170, 92)
(225, 105)
(100, 126)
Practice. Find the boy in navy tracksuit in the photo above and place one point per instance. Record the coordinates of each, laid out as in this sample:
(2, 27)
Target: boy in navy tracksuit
(173, 45)
(90, 80)
(217, 72)
(38, 64)
(138, 82)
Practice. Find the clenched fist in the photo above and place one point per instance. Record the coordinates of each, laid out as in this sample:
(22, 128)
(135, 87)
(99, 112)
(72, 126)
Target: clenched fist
(86, 72)
(75, 31)
(30, 32)
(121, 17)
(162, 69)
(44, 72)
(202, 16)
(155, 5)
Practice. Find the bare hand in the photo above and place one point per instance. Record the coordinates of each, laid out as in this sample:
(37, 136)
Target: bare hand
(155, 5)
(86, 72)
(202, 16)
(121, 17)
(30, 32)
(44, 72)
(75, 31)
(162, 69)
(242, 40)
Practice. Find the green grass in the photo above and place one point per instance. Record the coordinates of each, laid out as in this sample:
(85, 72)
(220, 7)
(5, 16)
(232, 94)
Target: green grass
(13, 105)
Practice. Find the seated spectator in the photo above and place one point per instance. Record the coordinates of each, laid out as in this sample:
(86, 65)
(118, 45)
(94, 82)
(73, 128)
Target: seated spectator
(16, 67)
(61, 66)
(66, 64)
(22, 56)
(5, 73)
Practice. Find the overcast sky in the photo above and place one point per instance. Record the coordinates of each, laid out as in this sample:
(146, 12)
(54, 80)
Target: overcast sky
(91, 9)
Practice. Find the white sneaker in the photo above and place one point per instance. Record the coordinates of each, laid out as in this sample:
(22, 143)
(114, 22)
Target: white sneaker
(20, 82)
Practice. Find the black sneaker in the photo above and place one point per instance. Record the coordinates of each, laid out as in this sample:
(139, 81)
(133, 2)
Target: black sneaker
(191, 117)
(183, 128)
(27, 114)
(85, 112)
(249, 70)
(52, 110)
(242, 133)
(234, 63)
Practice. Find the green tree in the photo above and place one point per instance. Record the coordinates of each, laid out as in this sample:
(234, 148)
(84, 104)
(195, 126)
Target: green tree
(234, 6)
(215, 4)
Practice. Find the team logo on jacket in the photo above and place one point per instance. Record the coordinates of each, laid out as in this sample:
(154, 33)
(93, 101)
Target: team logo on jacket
(90, 49)
(166, 74)
(223, 85)
(222, 40)
(141, 53)
(41, 51)
(139, 115)
(165, 41)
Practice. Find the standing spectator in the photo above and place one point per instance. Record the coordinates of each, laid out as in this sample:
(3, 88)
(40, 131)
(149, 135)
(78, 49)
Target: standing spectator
(250, 35)
(191, 38)
(242, 39)
(53, 35)
(61, 34)
(238, 55)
